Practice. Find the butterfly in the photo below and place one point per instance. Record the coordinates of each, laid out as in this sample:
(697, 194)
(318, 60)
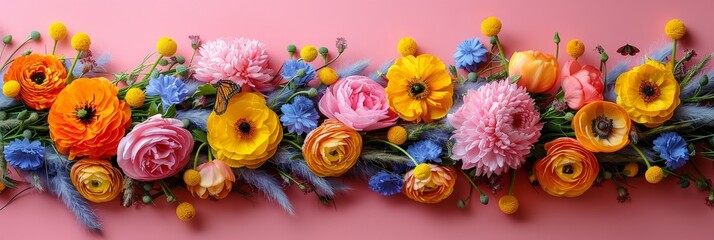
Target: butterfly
(225, 90)
(628, 50)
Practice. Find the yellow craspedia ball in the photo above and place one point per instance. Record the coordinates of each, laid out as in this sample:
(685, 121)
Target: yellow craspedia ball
(57, 31)
(422, 171)
(308, 53)
(185, 211)
(575, 48)
(328, 76)
(491, 26)
(2, 187)
(166, 46)
(397, 135)
(81, 41)
(508, 204)
(654, 174)
(631, 169)
(11, 89)
(135, 97)
(191, 177)
(407, 46)
(675, 29)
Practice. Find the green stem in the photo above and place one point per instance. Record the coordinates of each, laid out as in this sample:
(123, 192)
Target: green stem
(192, 56)
(210, 155)
(500, 51)
(557, 51)
(70, 76)
(398, 148)
(293, 143)
(297, 93)
(473, 184)
(284, 174)
(3, 50)
(151, 70)
(54, 47)
(672, 173)
(330, 62)
(13, 53)
(195, 159)
(674, 51)
(513, 182)
(166, 189)
(642, 155)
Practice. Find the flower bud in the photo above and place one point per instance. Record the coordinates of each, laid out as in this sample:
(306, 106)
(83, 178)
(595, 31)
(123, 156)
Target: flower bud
(32, 118)
(484, 199)
(291, 49)
(27, 134)
(604, 57)
(461, 204)
(7, 39)
(568, 116)
(27, 52)
(182, 70)
(312, 92)
(163, 62)
(472, 76)
(35, 35)
(323, 51)
(180, 59)
(704, 80)
(607, 175)
(170, 198)
(147, 187)
(556, 38)
(22, 115)
(146, 199)
(300, 73)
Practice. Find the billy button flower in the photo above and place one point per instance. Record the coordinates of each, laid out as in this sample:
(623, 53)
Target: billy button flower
(135, 97)
(397, 135)
(166, 47)
(327, 76)
(80, 43)
(191, 177)
(185, 211)
(57, 32)
(675, 30)
(491, 26)
(11, 89)
(575, 48)
(308, 53)
(406, 46)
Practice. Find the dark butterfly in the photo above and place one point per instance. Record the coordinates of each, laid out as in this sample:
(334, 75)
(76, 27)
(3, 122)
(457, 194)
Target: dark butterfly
(225, 90)
(628, 50)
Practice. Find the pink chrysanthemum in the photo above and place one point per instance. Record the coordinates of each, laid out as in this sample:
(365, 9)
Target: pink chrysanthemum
(243, 61)
(495, 128)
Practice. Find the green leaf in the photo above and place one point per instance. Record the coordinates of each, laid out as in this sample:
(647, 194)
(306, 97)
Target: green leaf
(205, 89)
(199, 135)
(8, 183)
(153, 109)
(515, 78)
(171, 112)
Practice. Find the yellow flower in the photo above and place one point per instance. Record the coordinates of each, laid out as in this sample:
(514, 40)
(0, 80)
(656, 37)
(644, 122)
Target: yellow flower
(575, 48)
(185, 211)
(407, 46)
(631, 169)
(81, 41)
(491, 26)
(11, 89)
(308, 53)
(508, 204)
(649, 93)
(602, 127)
(166, 46)
(247, 134)
(654, 174)
(96, 180)
(419, 88)
(397, 135)
(332, 148)
(57, 31)
(327, 76)
(675, 29)
(191, 177)
(135, 97)
(422, 171)
(2, 187)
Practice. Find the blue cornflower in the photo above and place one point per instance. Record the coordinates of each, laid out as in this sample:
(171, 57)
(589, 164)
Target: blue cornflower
(299, 71)
(425, 150)
(172, 90)
(386, 183)
(24, 155)
(672, 148)
(469, 54)
(299, 116)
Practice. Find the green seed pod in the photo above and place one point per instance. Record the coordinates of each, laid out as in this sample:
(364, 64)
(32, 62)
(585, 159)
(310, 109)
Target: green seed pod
(35, 35)
(7, 39)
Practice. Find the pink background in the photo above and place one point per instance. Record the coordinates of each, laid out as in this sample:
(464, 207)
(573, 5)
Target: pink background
(128, 30)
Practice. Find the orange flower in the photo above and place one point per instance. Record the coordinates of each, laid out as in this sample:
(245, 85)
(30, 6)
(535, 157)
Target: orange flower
(332, 148)
(433, 189)
(96, 180)
(568, 170)
(88, 119)
(602, 126)
(538, 71)
(41, 78)
(216, 180)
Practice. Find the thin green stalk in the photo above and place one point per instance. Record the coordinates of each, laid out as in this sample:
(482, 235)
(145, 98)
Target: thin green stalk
(3, 50)
(293, 143)
(151, 70)
(192, 56)
(500, 50)
(70, 76)
(473, 184)
(330, 62)
(14, 52)
(513, 182)
(674, 51)
(398, 148)
(54, 47)
(195, 159)
(642, 155)
(166, 189)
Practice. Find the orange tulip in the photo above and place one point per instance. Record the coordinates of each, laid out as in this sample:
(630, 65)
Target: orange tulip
(434, 188)
(568, 170)
(538, 71)
(602, 126)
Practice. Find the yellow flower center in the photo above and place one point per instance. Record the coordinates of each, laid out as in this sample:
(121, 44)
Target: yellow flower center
(244, 128)
(38, 78)
(649, 91)
(418, 89)
(602, 126)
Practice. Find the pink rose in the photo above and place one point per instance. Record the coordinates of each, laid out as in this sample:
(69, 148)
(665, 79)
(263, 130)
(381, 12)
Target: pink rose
(155, 149)
(358, 102)
(581, 84)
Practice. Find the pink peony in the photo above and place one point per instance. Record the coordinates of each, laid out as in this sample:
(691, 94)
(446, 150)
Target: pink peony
(243, 61)
(495, 128)
(581, 84)
(358, 102)
(155, 149)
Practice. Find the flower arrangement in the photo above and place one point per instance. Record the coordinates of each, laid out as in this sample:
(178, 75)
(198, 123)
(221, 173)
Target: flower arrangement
(414, 127)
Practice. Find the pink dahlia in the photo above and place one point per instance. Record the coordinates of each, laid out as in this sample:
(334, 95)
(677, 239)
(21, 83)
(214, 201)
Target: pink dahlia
(243, 61)
(495, 128)
(359, 102)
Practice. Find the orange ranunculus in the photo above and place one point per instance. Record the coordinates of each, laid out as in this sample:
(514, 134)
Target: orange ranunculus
(88, 119)
(332, 148)
(568, 170)
(538, 71)
(602, 126)
(41, 78)
(433, 189)
(96, 180)
(216, 180)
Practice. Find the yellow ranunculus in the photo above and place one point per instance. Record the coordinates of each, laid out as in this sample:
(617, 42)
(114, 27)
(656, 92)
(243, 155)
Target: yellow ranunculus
(602, 127)
(419, 88)
(96, 180)
(649, 93)
(331, 149)
(247, 134)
